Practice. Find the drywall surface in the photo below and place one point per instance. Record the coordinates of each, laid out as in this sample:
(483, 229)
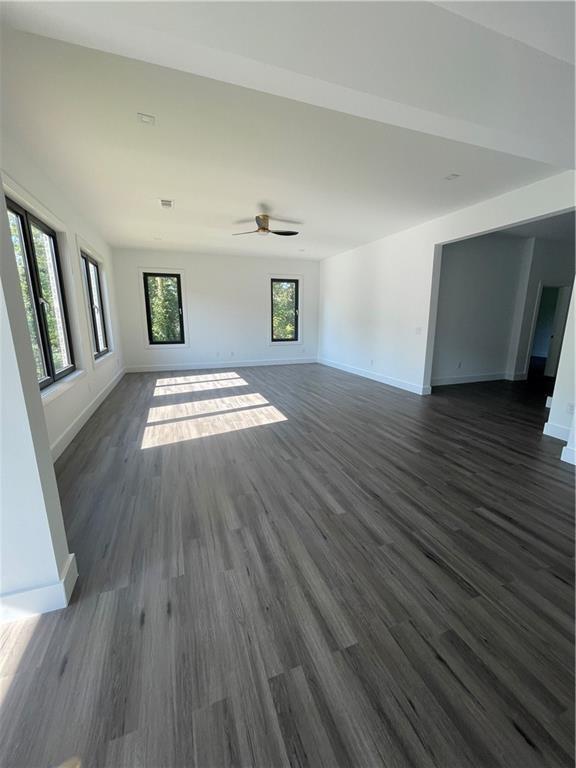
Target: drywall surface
(226, 307)
(68, 403)
(479, 282)
(561, 415)
(378, 302)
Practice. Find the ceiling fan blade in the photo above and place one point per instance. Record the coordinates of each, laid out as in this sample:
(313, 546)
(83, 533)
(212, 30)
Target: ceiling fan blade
(244, 221)
(252, 231)
(286, 221)
(285, 232)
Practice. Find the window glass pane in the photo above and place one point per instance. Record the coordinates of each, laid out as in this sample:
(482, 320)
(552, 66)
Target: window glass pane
(164, 309)
(31, 317)
(50, 289)
(284, 310)
(99, 332)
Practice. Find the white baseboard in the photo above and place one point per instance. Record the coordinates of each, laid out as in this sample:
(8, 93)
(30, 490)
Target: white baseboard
(192, 366)
(62, 442)
(469, 379)
(557, 431)
(30, 602)
(548, 402)
(398, 383)
(568, 454)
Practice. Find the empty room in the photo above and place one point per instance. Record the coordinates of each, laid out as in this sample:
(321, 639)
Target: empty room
(287, 384)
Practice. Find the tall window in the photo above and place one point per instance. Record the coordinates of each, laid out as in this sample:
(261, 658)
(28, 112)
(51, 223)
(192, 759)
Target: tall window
(163, 296)
(36, 251)
(94, 288)
(284, 309)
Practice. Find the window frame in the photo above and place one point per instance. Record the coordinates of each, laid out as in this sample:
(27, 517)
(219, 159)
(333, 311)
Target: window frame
(86, 260)
(27, 220)
(151, 342)
(296, 281)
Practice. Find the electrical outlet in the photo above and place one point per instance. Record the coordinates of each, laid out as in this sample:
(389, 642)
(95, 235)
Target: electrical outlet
(571, 409)
(231, 354)
(371, 363)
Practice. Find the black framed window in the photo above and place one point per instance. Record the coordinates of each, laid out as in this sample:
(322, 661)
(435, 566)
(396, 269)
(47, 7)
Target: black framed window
(96, 301)
(285, 309)
(164, 316)
(36, 251)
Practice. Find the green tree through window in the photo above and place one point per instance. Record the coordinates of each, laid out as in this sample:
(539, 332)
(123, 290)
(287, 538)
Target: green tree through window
(284, 310)
(164, 308)
(45, 260)
(32, 319)
(36, 252)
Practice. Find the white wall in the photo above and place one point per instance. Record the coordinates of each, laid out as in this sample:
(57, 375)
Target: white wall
(68, 403)
(378, 302)
(561, 415)
(479, 281)
(226, 309)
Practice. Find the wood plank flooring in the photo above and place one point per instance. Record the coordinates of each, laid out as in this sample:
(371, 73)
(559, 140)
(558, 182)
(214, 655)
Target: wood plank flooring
(294, 566)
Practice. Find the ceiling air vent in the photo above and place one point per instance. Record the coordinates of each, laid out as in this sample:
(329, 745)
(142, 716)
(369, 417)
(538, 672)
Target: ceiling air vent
(142, 117)
(166, 203)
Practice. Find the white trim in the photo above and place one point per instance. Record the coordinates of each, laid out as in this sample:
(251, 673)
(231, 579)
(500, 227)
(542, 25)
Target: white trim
(62, 442)
(192, 366)
(568, 454)
(418, 389)
(53, 391)
(468, 379)
(557, 431)
(52, 597)
(105, 358)
(432, 316)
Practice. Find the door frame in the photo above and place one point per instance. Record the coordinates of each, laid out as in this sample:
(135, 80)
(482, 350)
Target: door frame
(536, 310)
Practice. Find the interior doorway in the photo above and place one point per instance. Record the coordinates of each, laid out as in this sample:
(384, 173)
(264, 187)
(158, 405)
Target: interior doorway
(548, 332)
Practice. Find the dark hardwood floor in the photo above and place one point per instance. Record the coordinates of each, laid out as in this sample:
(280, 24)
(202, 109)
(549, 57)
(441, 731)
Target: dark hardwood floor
(296, 566)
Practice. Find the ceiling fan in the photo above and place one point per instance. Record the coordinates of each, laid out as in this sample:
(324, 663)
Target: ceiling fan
(263, 224)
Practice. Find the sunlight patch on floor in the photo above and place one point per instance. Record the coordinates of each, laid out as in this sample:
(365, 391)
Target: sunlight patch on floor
(200, 407)
(15, 637)
(197, 377)
(198, 386)
(156, 435)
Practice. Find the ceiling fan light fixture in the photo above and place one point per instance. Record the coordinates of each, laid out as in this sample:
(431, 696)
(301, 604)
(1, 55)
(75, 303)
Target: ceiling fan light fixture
(263, 227)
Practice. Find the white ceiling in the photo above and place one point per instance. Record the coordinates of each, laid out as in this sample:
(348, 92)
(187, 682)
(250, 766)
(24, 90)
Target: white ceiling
(220, 149)
(547, 26)
(411, 64)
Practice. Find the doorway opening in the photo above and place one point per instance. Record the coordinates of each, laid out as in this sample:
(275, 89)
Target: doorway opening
(548, 335)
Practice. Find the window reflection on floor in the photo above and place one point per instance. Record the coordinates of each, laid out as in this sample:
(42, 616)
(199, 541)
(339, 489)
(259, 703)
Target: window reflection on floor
(193, 419)
(198, 386)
